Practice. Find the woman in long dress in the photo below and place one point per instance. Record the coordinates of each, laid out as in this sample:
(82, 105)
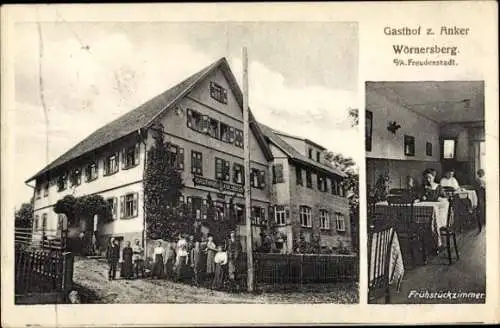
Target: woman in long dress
(170, 260)
(220, 261)
(127, 271)
(158, 258)
(211, 250)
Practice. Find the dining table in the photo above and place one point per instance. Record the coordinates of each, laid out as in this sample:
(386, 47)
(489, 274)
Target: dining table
(435, 213)
(468, 193)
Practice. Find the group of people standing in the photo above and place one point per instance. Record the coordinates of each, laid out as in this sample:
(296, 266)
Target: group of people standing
(132, 260)
(201, 262)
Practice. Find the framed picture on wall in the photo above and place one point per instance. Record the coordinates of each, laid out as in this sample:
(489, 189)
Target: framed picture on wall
(368, 130)
(428, 148)
(409, 145)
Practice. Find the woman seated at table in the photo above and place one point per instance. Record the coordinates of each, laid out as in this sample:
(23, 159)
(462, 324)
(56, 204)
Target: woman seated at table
(431, 190)
(448, 180)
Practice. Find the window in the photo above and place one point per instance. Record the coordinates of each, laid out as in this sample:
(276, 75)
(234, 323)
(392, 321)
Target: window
(258, 178)
(196, 163)
(238, 141)
(428, 148)
(305, 217)
(340, 222)
(44, 222)
(62, 182)
(278, 173)
(219, 209)
(196, 205)
(221, 169)
(195, 120)
(321, 183)
(298, 175)
(324, 219)
(46, 189)
(130, 156)
(175, 156)
(449, 150)
(335, 187)
(226, 133)
(111, 164)
(258, 216)
(91, 171)
(310, 153)
(76, 177)
(38, 191)
(308, 179)
(279, 215)
(318, 156)
(218, 93)
(36, 223)
(409, 144)
(238, 174)
(239, 211)
(213, 128)
(113, 205)
(129, 205)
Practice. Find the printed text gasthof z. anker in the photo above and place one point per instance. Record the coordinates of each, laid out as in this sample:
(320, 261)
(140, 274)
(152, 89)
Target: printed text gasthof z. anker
(419, 30)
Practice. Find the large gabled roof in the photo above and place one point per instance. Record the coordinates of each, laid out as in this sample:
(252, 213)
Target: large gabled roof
(274, 137)
(144, 115)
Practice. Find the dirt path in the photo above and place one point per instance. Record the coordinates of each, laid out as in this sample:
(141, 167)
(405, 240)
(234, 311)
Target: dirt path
(90, 277)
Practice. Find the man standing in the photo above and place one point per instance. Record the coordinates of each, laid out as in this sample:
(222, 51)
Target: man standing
(113, 255)
(138, 252)
(234, 251)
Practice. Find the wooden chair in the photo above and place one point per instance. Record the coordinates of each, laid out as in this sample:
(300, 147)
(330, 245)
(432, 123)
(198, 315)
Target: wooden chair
(379, 253)
(464, 212)
(449, 231)
(448, 191)
(402, 213)
(397, 191)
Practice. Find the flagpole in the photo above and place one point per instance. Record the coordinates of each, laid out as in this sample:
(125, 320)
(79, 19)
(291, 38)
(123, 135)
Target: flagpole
(246, 150)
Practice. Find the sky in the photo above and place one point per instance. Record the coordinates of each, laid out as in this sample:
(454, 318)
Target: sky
(302, 78)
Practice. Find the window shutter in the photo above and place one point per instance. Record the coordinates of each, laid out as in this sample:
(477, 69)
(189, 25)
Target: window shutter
(204, 207)
(252, 176)
(226, 170)
(180, 159)
(122, 206)
(263, 216)
(231, 134)
(135, 204)
(242, 174)
(235, 175)
(270, 212)
(137, 154)
(124, 157)
(217, 168)
(200, 164)
(262, 179)
(204, 125)
(115, 207)
(274, 174)
(189, 118)
(193, 162)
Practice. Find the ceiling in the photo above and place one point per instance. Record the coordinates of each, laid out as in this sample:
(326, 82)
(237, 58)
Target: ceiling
(440, 101)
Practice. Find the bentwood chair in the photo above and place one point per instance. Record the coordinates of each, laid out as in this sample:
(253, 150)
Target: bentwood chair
(410, 233)
(449, 230)
(449, 192)
(464, 212)
(380, 237)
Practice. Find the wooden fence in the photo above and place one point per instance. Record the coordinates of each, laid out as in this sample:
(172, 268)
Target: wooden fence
(43, 272)
(43, 239)
(280, 270)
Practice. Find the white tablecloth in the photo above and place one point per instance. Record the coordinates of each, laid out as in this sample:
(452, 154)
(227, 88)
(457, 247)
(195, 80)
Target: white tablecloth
(471, 194)
(436, 211)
